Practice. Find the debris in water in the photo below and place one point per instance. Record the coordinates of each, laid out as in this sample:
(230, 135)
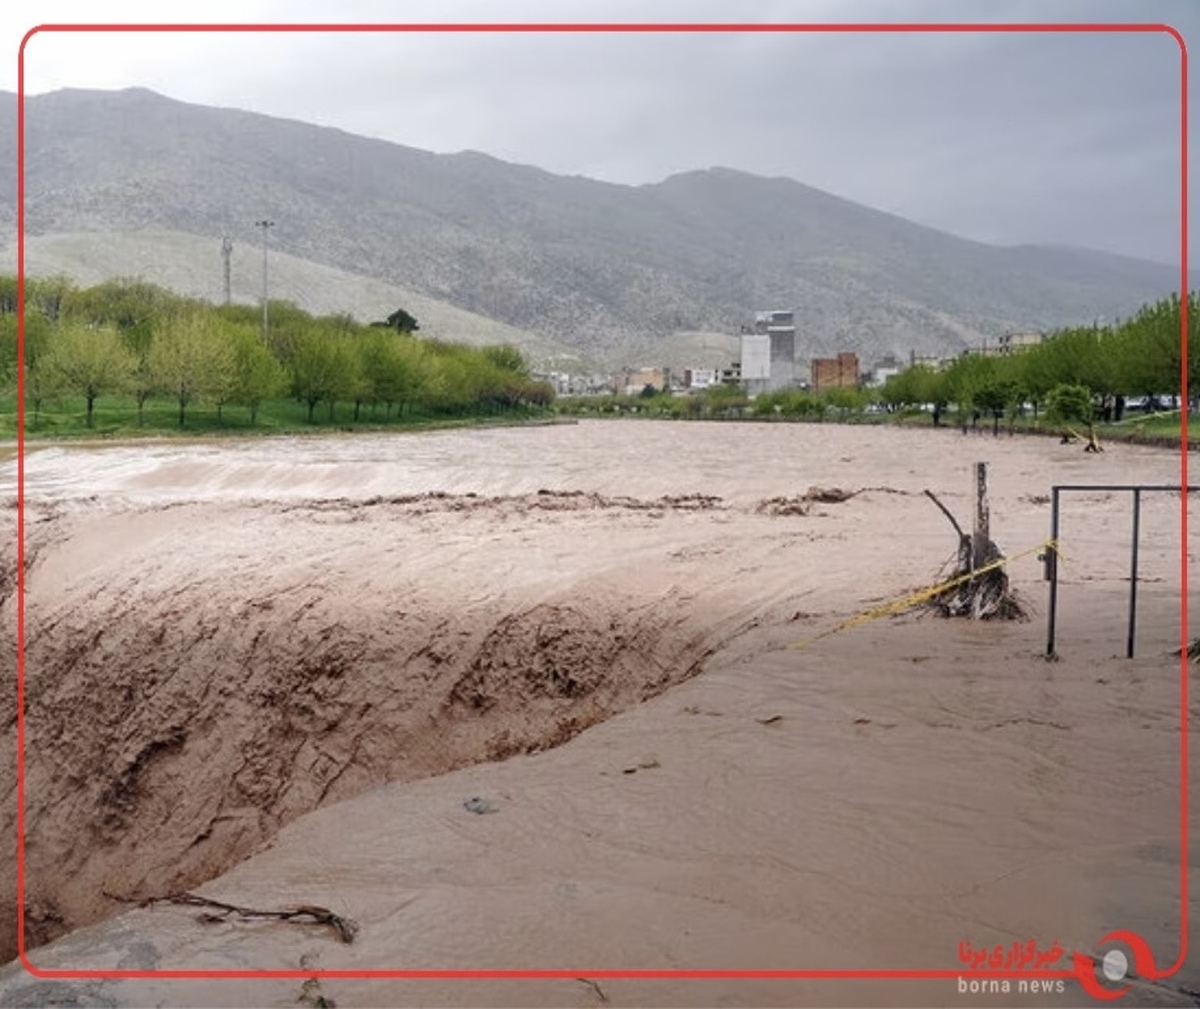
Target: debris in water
(311, 995)
(978, 586)
(599, 992)
(1193, 650)
(345, 927)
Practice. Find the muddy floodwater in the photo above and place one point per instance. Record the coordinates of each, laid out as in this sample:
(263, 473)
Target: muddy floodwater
(586, 698)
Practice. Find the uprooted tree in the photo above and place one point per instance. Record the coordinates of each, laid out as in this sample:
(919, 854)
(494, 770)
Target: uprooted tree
(978, 586)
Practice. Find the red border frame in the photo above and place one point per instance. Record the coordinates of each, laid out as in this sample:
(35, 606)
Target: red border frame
(1084, 967)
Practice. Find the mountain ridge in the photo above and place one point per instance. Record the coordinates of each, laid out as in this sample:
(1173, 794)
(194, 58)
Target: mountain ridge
(609, 270)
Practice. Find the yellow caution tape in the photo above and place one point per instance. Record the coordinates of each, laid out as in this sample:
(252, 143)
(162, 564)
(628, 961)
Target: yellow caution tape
(909, 601)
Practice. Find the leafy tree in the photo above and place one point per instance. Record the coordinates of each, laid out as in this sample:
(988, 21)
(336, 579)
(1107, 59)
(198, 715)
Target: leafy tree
(8, 348)
(798, 403)
(400, 373)
(1022, 372)
(965, 377)
(257, 374)
(374, 349)
(458, 378)
(320, 369)
(723, 399)
(992, 397)
(351, 383)
(846, 399)
(287, 323)
(39, 384)
(8, 295)
(1066, 403)
(47, 295)
(917, 385)
(138, 339)
(1150, 348)
(89, 361)
(401, 321)
(191, 359)
(541, 394)
(507, 358)
(1077, 356)
(126, 303)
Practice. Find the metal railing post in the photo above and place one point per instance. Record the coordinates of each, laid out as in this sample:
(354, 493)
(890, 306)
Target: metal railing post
(1052, 570)
(1051, 556)
(1133, 572)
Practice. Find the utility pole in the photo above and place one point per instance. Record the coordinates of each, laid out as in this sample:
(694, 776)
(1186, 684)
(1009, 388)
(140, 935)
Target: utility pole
(265, 225)
(226, 249)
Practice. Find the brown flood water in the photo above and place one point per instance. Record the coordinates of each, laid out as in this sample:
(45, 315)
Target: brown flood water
(590, 629)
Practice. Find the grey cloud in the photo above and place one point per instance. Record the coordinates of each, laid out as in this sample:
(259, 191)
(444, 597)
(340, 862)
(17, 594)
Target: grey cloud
(1010, 138)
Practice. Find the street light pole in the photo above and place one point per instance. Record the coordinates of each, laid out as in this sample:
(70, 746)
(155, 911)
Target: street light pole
(265, 225)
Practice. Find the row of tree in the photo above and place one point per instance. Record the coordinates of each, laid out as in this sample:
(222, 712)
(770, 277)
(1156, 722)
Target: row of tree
(723, 401)
(132, 339)
(1101, 365)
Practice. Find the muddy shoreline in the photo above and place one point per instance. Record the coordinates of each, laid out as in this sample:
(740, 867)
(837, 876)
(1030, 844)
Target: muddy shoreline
(186, 700)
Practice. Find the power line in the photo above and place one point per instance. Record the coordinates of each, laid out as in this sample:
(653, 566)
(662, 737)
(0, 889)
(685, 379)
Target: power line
(265, 225)
(226, 251)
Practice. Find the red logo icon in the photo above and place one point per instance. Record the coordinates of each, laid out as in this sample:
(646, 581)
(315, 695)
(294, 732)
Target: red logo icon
(1115, 966)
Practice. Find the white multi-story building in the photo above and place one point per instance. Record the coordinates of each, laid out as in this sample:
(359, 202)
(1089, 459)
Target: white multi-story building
(769, 352)
(701, 378)
(756, 361)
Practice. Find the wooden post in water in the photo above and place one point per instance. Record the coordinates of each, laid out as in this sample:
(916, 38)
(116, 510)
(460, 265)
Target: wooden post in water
(982, 535)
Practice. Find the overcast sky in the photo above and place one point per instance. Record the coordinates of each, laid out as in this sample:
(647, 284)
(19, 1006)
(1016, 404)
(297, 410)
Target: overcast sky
(1009, 138)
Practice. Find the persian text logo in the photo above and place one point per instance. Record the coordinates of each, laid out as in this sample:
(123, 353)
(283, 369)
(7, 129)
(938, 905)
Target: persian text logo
(1018, 956)
(1011, 961)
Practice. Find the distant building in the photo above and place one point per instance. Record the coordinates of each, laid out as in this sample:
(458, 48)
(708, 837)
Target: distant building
(883, 369)
(566, 384)
(637, 379)
(701, 378)
(1010, 342)
(879, 375)
(769, 352)
(834, 372)
(756, 361)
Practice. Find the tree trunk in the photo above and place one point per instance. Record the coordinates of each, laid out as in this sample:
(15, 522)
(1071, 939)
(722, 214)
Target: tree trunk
(90, 401)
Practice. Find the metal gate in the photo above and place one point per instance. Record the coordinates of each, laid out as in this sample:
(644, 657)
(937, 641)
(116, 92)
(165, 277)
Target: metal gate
(1050, 557)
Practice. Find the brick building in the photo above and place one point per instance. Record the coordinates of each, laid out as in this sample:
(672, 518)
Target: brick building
(833, 372)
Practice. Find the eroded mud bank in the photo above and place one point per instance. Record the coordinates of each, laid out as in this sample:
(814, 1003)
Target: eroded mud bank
(199, 675)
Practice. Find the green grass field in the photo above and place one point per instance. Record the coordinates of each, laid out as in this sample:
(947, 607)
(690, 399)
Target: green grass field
(117, 418)
(114, 417)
